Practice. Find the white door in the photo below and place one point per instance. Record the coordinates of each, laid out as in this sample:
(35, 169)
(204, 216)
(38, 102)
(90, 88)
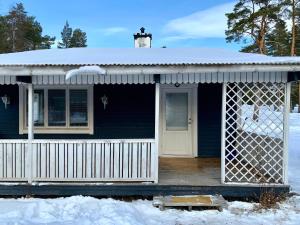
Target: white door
(176, 122)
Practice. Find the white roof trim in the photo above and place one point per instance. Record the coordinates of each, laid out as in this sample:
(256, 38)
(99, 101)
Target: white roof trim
(190, 78)
(111, 70)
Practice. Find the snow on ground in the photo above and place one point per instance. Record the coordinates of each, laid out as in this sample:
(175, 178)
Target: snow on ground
(86, 210)
(269, 122)
(294, 152)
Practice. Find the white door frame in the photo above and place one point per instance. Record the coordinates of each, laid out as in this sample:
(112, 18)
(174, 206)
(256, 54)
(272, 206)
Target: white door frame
(194, 113)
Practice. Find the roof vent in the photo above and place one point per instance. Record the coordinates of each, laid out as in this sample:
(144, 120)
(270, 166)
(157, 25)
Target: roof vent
(142, 39)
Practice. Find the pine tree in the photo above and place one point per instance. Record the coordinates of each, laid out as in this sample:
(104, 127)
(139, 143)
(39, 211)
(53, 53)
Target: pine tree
(66, 36)
(278, 40)
(250, 22)
(296, 50)
(293, 11)
(4, 45)
(47, 42)
(16, 20)
(20, 32)
(78, 39)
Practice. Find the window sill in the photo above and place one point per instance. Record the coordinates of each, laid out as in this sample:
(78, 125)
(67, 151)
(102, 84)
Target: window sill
(59, 130)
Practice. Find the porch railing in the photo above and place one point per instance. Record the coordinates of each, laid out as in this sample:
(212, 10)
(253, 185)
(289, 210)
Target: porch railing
(79, 161)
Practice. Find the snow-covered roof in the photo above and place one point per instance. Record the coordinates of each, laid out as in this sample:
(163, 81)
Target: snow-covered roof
(139, 56)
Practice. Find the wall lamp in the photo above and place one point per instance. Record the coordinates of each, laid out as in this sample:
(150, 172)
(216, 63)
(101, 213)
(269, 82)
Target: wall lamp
(6, 100)
(104, 100)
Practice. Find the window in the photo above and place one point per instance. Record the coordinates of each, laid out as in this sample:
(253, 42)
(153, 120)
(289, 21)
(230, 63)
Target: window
(58, 110)
(78, 108)
(177, 111)
(38, 107)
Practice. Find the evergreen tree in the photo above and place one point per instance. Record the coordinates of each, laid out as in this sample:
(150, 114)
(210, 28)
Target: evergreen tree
(16, 20)
(20, 32)
(46, 42)
(72, 39)
(296, 51)
(278, 40)
(4, 46)
(293, 12)
(250, 22)
(78, 39)
(66, 36)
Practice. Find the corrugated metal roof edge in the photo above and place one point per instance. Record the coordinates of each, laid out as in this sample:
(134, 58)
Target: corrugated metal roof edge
(157, 64)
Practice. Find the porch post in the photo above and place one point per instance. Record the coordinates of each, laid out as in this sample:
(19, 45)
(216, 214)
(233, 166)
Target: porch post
(223, 133)
(30, 131)
(286, 131)
(157, 109)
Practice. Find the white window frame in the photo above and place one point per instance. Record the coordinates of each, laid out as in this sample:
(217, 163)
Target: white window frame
(89, 129)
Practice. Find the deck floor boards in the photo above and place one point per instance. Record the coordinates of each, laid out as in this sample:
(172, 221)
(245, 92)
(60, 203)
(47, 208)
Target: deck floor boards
(177, 176)
(189, 171)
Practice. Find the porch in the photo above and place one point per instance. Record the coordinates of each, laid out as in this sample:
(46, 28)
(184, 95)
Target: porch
(177, 176)
(122, 141)
(190, 171)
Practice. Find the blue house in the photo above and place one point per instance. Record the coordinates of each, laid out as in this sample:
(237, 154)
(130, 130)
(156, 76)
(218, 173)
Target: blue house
(144, 120)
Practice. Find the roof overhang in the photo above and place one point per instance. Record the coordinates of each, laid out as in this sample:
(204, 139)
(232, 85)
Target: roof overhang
(27, 70)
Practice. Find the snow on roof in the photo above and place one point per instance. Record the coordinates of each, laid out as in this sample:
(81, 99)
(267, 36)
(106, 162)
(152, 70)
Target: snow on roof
(139, 56)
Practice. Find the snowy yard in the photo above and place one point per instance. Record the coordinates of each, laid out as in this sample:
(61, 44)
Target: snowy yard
(87, 210)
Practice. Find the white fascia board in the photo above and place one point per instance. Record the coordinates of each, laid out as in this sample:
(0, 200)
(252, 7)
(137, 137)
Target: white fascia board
(140, 69)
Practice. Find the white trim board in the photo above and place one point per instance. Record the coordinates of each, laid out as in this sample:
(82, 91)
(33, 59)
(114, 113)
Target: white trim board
(170, 77)
(56, 129)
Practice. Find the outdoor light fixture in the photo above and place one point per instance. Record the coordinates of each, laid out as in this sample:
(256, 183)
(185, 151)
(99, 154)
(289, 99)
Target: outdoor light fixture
(177, 84)
(5, 100)
(104, 100)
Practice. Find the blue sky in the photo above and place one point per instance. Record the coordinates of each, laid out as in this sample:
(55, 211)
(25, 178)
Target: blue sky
(111, 23)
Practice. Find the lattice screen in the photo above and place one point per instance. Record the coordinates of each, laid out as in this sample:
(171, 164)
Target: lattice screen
(254, 136)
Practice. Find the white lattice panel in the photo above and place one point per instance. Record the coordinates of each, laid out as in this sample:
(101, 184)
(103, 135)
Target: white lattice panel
(254, 132)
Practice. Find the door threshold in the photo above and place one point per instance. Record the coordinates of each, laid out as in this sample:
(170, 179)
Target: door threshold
(177, 156)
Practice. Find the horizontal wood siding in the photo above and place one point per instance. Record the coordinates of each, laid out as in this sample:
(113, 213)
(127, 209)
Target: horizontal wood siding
(130, 113)
(209, 120)
(9, 117)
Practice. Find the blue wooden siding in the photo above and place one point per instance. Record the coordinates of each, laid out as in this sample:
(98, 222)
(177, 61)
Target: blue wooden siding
(9, 118)
(209, 120)
(130, 113)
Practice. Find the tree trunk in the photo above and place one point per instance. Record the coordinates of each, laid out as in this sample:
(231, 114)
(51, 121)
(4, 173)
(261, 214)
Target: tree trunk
(257, 105)
(293, 41)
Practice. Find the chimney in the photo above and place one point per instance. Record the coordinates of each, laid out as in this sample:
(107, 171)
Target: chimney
(142, 40)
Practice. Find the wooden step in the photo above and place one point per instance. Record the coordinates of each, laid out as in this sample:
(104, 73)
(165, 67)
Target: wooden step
(190, 201)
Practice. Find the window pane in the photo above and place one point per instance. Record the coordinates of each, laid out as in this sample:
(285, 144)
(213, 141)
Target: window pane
(38, 107)
(177, 111)
(56, 108)
(78, 108)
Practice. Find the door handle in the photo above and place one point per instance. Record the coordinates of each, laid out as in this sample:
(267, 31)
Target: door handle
(190, 121)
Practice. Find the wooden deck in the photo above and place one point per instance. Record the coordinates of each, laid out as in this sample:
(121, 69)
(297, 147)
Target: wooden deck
(189, 171)
(177, 176)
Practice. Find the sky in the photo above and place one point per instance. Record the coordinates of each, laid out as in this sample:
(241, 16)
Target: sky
(111, 23)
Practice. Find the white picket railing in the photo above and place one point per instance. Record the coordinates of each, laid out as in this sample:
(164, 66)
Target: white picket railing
(13, 159)
(79, 160)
